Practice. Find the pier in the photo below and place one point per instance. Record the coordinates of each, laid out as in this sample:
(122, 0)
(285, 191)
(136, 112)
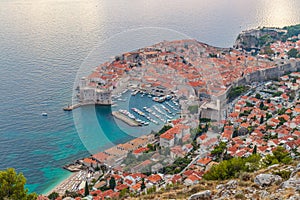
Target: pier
(125, 119)
(72, 107)
(75, 167)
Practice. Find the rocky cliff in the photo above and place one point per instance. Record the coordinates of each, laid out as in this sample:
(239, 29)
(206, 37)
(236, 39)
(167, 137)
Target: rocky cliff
(256, 38)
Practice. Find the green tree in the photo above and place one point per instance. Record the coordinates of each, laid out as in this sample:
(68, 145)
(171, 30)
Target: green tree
(233, 167)
(53, 195)
(123, 192)
(280, 155)
(151, 147)
(254, 150)
(268, 116)
(267, 50)
(252, 163)
(206, 127)
(71, 194)
(265, 39)
(97, 168)
(293, 30)
(143, 186)
(195, 146)
(236, 91)
(261, 105)
(86, 189)
(12, 186)
(112, 183)
(248, 104)
(219, 150)
(281, 111)
(292, 53)
(261, 119)
(103, 168)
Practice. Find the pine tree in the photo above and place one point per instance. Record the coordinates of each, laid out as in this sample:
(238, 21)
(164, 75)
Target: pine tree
(86, 189)
(143, 186)
(254, 150)
(261, 119)
(53, 195)
(12, 186)
(112, 183)
(261, 105)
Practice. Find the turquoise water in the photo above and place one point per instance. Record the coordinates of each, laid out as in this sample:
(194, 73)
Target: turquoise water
(43, 43)
(106, 131)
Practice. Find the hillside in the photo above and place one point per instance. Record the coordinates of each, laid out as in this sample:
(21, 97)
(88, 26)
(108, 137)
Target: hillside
(275, 182)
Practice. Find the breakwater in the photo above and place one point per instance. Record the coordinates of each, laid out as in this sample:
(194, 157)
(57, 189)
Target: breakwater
(125, 119)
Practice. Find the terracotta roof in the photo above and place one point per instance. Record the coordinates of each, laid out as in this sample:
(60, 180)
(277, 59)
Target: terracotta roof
(188, 172)
(137, 186)
(203, 137)
(129, 182)
(176, 121)
(89, 160)
(100, 156)
(176, 178)
(140, 150)
(169, 134)
(262, 148)
(138, 175)
(154, 178)
(121, 187)
(204, 161)
(297, 110)
(193, 178)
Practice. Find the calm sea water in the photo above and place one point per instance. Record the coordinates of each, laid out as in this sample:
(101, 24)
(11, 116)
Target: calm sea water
(43, 43)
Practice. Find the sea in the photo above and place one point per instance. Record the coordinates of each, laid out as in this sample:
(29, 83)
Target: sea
(47, 45)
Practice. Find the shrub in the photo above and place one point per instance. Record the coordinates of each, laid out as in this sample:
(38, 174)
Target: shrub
(245, 176)
(284, 174)
(233, 167)
(280, 155)
(240, 196)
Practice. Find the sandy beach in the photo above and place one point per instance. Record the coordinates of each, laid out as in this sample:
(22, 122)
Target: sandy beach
(71, 183)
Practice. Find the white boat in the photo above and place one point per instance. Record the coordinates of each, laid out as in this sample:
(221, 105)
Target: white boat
(168, 97)
(44, 114)
(134, 93)
(120, 99)
(176, 104)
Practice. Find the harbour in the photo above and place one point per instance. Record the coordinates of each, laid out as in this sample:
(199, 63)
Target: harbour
(143, 116)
